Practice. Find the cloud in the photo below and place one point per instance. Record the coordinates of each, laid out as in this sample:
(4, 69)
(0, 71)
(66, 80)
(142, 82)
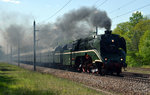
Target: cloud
(11, 1)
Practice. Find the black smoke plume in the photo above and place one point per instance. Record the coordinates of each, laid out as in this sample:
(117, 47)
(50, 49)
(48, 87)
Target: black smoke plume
(73, 25)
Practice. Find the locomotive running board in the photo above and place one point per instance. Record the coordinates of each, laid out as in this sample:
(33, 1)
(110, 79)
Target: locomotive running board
(84, 51)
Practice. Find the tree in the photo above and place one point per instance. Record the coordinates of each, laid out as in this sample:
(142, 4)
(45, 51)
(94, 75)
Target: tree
(144, 48)
(138, 30)
(138, 22)
(142, 26)
(122, 28)
(136, 17)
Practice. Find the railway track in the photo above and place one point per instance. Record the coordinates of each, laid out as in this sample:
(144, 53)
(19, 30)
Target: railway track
(145, 80)
(130, 76)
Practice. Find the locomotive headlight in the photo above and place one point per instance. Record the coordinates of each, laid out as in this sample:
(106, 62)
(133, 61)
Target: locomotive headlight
(112, 41)
(121, 59)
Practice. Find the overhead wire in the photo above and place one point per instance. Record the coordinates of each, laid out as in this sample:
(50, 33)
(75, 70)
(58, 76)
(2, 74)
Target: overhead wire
(96, 2)
(57, 11)
(39, 27)
(102, 3)
(131, 11)
(128, 3)
(53, 14)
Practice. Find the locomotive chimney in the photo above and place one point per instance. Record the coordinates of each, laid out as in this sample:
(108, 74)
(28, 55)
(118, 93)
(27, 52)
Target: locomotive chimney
(108, 31)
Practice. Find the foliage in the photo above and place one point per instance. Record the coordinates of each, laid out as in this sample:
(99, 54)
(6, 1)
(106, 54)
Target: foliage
(136, 33)
(144, 48)
(136, 17)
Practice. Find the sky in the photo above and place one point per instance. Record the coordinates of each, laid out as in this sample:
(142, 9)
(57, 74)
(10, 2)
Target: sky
(47, 11)
(44, 11)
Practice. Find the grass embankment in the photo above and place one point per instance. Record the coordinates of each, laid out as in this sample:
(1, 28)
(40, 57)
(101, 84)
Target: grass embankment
(17, 81)
(143, 70)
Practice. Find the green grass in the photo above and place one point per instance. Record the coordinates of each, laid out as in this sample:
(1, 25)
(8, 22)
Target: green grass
(143, 70)
(146, 66)
(18, 81)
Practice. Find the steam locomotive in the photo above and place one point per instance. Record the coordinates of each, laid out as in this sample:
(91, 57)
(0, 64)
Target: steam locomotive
(107, 54)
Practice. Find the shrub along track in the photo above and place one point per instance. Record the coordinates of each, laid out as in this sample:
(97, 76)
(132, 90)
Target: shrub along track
(127, 85)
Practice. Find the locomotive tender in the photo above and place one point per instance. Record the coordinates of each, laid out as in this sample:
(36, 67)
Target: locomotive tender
(107, 51)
